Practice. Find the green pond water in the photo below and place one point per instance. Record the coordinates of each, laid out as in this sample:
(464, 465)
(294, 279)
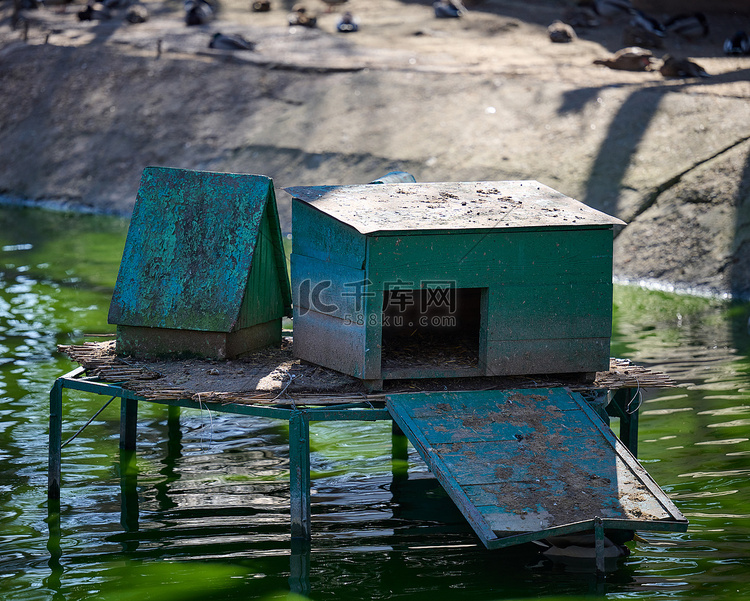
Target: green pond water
(208, 517)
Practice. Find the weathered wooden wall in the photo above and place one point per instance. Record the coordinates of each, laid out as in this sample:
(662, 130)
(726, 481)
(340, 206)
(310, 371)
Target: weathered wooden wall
(548, 292)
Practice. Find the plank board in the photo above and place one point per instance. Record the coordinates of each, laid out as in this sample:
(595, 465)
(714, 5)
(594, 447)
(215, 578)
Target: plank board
(526, 464)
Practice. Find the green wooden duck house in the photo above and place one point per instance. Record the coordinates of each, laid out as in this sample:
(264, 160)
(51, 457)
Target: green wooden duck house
(429, 280)
(203, 272)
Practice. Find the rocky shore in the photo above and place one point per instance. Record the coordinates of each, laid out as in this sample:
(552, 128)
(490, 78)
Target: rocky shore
(487, 96)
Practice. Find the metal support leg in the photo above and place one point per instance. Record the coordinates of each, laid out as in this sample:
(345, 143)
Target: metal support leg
(629, 422)
(55, 441)
(599, 543)
(625, 406)
(399, 453)
(299, 568)
(128, 468)
(129, 496)
(299, 474)
(128, 423)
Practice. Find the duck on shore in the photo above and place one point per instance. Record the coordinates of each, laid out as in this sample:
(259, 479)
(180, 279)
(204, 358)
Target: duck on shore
(299, 16)
(629, 59)
(448, 9)
(222, 41)
(681, 67)
(347, 24)
(610, 9)
(738, 44)
(198, 12)
(561, 33)
(581, 16)
(640, 20)
(136, 13)
(90, 13)
(692, 26)
(635, 35)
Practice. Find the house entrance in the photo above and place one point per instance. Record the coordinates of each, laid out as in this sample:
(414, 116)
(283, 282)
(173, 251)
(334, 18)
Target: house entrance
(431, 332)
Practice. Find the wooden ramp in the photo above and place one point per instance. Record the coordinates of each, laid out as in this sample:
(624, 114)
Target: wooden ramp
(523, 465)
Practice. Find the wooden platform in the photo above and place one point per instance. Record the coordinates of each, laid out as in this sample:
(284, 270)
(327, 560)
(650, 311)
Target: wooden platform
(524, 465)
(273, 376)
(523, 458)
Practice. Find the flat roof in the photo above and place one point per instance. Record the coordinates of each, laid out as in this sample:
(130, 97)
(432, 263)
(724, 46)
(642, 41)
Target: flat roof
(412, 207)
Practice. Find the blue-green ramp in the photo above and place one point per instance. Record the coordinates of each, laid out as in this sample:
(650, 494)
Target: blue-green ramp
(524, 465)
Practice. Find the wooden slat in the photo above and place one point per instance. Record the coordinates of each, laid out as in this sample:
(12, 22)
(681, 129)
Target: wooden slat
(324, 239)
(265, 299)
(515, 357)
(340, 300)
(495, 257)
(511, 402)
(540, 311)
(330, 342)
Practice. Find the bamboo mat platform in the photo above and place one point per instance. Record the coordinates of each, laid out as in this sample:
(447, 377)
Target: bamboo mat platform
(274, 377)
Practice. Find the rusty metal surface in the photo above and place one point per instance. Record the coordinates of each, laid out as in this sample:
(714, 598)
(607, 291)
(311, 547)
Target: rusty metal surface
(189, 249)
(450, 206)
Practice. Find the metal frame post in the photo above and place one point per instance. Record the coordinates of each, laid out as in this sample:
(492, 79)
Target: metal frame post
(620, 407)
(399, 453)
(128, 423)
(299, 474)
(599, 543)
(299, 567)
(55, 440)
(299, 440)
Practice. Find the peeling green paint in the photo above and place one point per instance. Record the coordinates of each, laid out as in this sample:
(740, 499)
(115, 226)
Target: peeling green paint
(194, 238)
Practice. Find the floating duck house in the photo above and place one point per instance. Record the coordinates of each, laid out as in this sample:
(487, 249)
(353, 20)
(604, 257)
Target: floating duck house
(203, 272)
(429, 280)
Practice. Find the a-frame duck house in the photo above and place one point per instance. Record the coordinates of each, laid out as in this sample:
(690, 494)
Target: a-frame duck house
(203, 272)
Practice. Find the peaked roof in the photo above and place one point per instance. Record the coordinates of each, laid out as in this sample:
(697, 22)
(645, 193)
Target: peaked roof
(450, 206)
(189, 249)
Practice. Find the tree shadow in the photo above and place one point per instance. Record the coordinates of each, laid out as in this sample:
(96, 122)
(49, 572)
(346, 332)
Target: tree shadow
(605, 185)
(739, 276)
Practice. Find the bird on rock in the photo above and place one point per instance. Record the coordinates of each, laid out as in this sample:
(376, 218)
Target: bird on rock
(635, 35)
(447, 9)
(300, 16)
(629, 59)
(580, 17)
(681, 67)
(198, 12)
(347, 24)
(136, 13)
(739, 43)
(221, 41)
(94, 14)
(689, 26)
(612, 8)
(561, 33)
(643, 21)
